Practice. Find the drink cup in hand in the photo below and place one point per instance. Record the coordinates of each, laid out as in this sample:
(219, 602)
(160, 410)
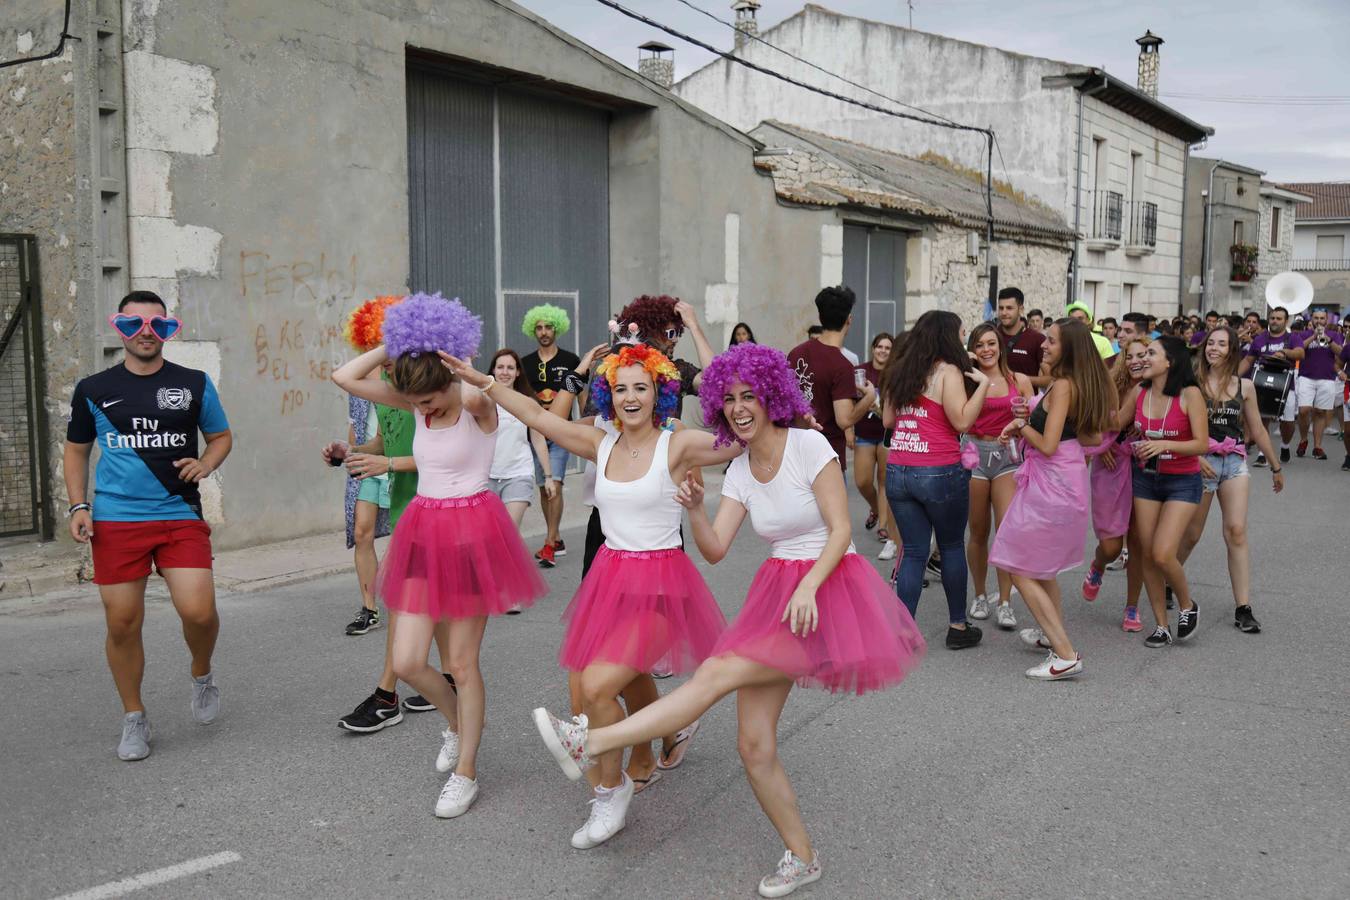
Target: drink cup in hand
(1019, 407)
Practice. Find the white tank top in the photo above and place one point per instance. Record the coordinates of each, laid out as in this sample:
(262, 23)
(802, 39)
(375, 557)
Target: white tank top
(642, 514)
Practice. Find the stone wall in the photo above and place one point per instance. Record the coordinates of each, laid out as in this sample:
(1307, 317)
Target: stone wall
(1275, 257)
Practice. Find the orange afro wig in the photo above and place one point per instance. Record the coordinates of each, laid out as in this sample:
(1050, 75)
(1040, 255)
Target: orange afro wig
(364, 328)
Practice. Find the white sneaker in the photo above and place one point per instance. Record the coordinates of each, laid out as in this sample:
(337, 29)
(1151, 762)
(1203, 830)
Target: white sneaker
(792, 873)
(980, 608)
(1004, 617)
(609, 812)
(1034, 638)
(1119, 562)
(456, 797)
(1054, 668)
(448, 758)
(888, 551)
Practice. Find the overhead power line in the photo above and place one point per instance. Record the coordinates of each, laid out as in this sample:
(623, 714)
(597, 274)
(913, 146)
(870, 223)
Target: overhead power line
(1254, 100)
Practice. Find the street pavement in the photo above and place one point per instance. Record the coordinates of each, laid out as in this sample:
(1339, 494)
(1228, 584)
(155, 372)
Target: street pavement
(1211, 769)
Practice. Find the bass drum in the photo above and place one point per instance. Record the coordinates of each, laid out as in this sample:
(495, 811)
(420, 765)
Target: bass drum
(1273, 386)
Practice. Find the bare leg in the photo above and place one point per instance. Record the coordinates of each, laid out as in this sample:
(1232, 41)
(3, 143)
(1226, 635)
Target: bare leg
(1001, 491)
(412, 642)
(758, 709)
(553, 510)
(640, 693)
(466, 637)
(124, 611)
(1286, 432)
(516, 510)
(1134, 568)
(1042, 598)
(1305, 414)
(884, 518)
(193, 592)
(1320, 419)
(1195, 528)
(363, 532)
(387, 680)
(600, 687)
(864, 476)
(1163, 543)
(977, 542)
(1107, 550)
(1233, 496)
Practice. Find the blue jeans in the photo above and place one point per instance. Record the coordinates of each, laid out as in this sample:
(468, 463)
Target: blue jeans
(925, 499)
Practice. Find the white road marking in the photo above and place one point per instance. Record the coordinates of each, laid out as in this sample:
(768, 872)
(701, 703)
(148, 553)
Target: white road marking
(158, 876)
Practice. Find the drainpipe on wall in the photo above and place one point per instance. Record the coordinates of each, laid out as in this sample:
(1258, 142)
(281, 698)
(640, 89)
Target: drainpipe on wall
(1206, 295)
(1078, 195)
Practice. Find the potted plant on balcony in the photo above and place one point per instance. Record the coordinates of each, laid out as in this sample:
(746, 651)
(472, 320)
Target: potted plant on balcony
(1244, 262)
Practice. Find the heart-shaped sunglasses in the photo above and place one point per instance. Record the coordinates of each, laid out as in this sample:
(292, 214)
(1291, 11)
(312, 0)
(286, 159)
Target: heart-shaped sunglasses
(162, 327)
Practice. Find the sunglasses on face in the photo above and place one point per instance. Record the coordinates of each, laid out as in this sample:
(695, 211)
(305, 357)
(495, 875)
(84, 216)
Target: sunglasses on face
(129, 327)
(673, 334)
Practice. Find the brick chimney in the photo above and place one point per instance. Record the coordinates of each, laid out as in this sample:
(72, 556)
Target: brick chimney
(656, 62)
(746, 24)
(1148, 63)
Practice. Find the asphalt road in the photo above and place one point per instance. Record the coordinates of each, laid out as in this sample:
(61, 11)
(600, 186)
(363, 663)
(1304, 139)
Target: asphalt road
(1214, 769)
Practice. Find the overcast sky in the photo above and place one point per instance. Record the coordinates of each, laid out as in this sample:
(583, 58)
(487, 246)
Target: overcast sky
(1234, 48)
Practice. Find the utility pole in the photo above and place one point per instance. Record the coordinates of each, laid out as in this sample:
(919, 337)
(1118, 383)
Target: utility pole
(911, 13)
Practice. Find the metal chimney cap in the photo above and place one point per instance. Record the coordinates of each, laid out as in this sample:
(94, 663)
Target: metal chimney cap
(1148, 40)
(655, 47)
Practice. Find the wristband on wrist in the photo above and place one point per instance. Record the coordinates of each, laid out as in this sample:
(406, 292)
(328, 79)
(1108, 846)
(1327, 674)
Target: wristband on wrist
(574, 383)
(390, 461)
(76, 507)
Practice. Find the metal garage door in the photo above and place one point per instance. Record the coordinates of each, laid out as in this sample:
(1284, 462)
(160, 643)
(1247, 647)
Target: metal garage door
(509, 203)
(874, 266)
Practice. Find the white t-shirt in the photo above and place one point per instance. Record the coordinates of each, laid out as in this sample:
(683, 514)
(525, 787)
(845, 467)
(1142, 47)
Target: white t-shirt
(784, 512)
(511, 458)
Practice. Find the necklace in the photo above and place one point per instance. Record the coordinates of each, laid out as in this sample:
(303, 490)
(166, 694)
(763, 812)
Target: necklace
(634, 451)
(770, 466)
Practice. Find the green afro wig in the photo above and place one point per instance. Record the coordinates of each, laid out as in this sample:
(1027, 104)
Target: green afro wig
(549, 315)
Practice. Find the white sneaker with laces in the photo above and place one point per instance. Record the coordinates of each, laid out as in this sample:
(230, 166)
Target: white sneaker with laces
(609, 812)
(1005, 618)
(1054, 668)
(456, 797)
(888, 551)
(1119, 562)
(1033, 637)
(980, 608)
(448, 757)
(792, 873)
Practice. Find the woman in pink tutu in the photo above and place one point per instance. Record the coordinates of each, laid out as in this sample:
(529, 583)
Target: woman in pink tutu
(817, 614)
(456, 557)
(642, 602)
(1043, 532)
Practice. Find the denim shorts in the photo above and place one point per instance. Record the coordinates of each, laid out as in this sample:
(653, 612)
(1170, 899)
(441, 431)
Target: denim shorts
(1226, 467)
(996, 458)
(512, 490)
(867, 442)
(557, 460)
(1163, 488)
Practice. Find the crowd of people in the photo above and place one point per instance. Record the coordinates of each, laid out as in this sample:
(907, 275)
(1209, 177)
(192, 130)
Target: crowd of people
(1008, 447)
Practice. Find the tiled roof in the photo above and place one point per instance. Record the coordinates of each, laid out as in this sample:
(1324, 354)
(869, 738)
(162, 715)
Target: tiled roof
(1331, 199)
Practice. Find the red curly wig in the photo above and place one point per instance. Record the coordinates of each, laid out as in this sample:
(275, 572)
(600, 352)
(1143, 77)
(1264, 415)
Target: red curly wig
(652, 315)
(364, 328)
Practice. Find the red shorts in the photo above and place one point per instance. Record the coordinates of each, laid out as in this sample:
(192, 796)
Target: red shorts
(123, 551)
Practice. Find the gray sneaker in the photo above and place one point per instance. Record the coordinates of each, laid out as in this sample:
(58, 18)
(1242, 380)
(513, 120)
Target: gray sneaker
(1005, 618)
(791, 874)
(980, 608)
(135, 742)
(205, 699)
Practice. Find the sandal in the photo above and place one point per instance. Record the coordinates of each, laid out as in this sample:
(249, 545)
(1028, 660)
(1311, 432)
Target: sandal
(671, 759)
(641, 784)
(871, 522)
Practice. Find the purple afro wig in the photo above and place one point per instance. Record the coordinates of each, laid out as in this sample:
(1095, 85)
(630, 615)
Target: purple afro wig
(425, 323)
(768, 374)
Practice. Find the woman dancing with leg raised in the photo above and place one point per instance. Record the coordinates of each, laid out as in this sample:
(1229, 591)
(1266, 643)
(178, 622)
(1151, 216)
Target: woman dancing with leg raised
(817, 614)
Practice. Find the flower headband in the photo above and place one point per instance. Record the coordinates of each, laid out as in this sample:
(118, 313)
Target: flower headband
(664, 376)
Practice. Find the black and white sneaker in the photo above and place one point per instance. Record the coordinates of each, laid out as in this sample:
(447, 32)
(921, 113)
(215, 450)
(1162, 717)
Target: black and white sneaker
(1244, 621)
(1187, 621)
(417, 703)
(1284, 454)
(365, 620)
(1260, 461)
(934, 565)
(1160, 638)
(374, 714)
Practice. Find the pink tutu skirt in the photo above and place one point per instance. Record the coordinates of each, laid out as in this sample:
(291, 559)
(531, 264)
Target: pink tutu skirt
(457, 558)
(1046, 526)
(1112, 489)
(637, 608)
(866, 639)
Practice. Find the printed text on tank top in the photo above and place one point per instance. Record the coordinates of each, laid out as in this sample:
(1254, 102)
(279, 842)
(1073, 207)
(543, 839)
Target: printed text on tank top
(924, 436)
(1173, 425)
(1225, 417)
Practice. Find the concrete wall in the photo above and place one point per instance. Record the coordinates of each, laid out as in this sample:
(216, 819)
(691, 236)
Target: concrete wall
(1235, 198)
(266, 160)
(45, 190)
(1306, 234)
(1276, 257)
(1332, 285)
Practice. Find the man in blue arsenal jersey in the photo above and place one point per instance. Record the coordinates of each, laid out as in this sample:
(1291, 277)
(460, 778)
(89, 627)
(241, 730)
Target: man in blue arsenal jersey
(144, 414)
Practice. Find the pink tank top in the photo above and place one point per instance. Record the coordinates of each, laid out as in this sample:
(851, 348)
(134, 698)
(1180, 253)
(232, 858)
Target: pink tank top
(452, 461)
(995, 415)
(923, 436)
(1175, 425)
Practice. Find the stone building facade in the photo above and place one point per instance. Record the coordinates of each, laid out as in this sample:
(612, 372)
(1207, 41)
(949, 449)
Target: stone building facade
(1279, 211)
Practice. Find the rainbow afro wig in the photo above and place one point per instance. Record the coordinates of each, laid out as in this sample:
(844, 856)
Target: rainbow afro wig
(425, 323)
(663, 372)
(549, 315)
(768, 374)
(364, 328)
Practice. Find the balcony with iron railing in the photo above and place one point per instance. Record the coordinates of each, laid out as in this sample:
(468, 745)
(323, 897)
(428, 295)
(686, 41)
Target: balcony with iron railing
(1142, 217)
(1321, 265)
(1104, 227)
